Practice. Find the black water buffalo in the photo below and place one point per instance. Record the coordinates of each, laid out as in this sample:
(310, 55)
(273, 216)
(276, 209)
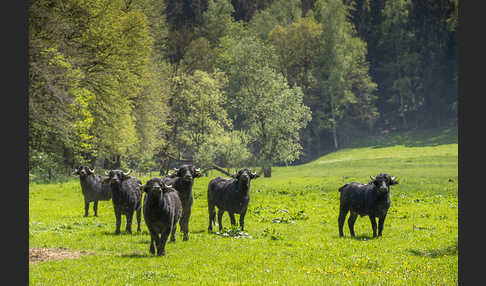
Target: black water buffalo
(162, 210)
(372, 199)
(182, 180)
(127, 198)
(93, 188)
(232, 195)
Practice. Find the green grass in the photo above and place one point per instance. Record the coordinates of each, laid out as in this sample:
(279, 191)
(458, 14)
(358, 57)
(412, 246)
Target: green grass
(418, 247)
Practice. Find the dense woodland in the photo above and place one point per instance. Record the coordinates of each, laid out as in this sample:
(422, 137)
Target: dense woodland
(150, 84)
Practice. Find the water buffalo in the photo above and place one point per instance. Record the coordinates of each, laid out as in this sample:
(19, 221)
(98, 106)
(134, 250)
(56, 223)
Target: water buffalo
(127, 198)
(162, 210)
(93, 188)
(182, 180)
(372, 199)
(232, 195)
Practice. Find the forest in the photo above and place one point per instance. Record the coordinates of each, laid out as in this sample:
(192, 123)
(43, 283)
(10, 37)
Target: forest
(148, 84)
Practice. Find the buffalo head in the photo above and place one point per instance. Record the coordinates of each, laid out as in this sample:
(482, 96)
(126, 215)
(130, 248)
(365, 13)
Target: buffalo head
(83, 171)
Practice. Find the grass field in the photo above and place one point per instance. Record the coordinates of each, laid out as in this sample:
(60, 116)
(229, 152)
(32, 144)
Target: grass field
(291, 224)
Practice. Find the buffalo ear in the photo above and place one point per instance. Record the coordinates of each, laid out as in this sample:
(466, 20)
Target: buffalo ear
(75, 172)
(144, 188)
(197, 173)
(394, 181)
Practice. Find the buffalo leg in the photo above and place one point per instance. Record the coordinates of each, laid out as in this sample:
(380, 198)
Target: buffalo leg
(242, 219)
(373, 224)
(212, 216)
(220, 219)
(351, 221)
(95, 208)
(342, 217)
(381, 222)
(118, 220)
(162, 242)
(232, 218)
(152, 242)
(139, 218)
(184, 223)
(128, 228)
(86, 208)
(173, 231)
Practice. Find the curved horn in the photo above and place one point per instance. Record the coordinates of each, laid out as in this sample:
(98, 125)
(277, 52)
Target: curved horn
(198, 169)
(126, 174)
(107, 173)
(372, 178)
(91, 171)
(74, 172)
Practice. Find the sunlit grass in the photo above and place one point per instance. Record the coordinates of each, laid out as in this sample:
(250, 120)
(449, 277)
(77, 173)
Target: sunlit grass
(291, 225)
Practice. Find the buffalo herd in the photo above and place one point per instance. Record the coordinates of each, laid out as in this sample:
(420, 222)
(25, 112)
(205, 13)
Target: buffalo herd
(168, 201)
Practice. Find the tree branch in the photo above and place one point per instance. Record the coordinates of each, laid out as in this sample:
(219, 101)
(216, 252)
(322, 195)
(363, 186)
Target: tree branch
(216, 167)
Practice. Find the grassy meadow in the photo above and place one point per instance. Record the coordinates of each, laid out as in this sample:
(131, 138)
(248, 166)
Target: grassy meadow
(292, 232)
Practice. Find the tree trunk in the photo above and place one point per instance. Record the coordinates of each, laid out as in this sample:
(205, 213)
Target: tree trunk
(267, 171)
(334, 137)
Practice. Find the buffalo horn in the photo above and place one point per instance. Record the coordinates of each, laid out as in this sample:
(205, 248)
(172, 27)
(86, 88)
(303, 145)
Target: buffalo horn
(91, 171)
(107, 173)
(126, 174)
(372, 178)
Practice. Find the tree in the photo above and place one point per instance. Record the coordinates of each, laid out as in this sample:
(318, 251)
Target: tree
(87, 61)
(216, 21)
(227, 149)
(196, 114)
(342, 69)
(199, 56)
(280, 12)
(295, 45)
(400, 70)
(261, 103)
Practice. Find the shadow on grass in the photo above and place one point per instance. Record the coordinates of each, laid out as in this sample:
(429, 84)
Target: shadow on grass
(123, 233)
(357, 237)
(137, 254)
(434, 253)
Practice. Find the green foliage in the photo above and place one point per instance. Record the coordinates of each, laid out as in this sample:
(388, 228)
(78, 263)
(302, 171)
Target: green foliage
(226, 149)
(104, 76)
(199, 56)
(197, 111)
(295, 45)
(264, 105)
(342, 65)
(401, 69)
(280, 12)
(216, 21)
